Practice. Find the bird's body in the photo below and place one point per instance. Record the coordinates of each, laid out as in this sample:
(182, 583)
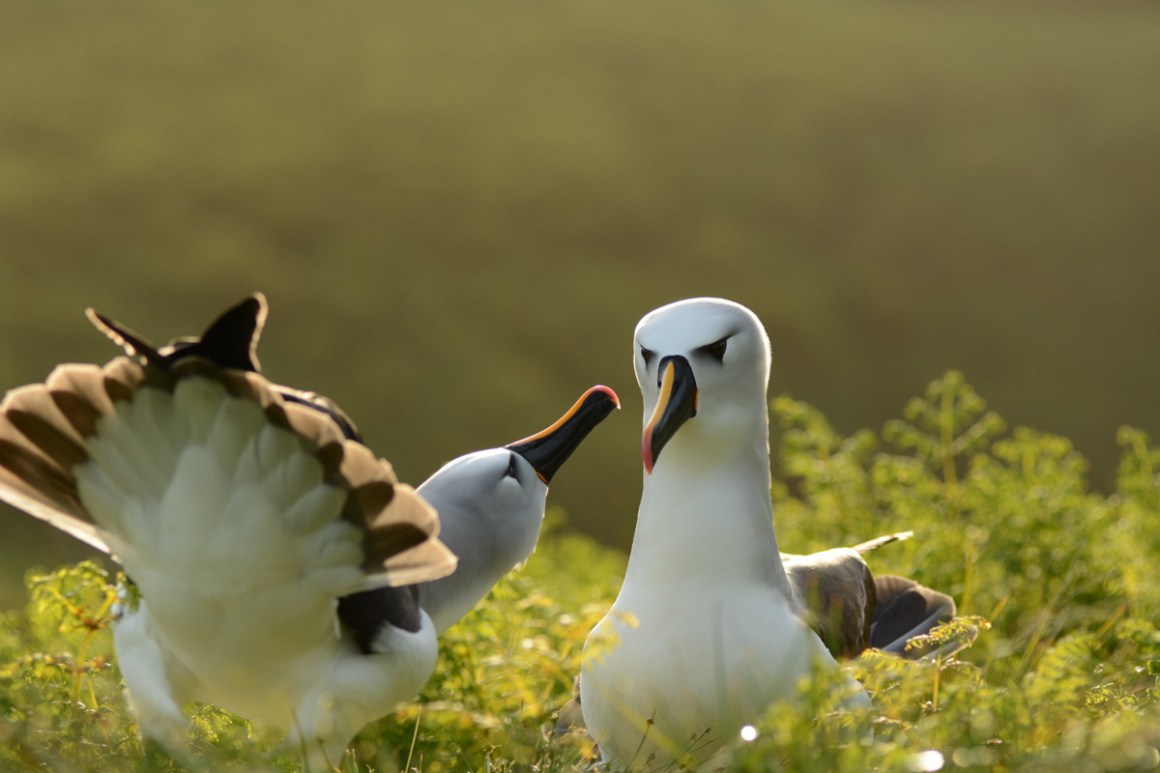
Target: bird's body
(697, 649)
(242, 512)
(706, 630)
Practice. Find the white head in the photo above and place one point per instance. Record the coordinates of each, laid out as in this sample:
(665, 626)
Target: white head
(492, 500)
(703, 369)
(491, 504)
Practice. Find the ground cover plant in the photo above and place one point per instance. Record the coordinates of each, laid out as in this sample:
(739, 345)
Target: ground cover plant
(1060, 581)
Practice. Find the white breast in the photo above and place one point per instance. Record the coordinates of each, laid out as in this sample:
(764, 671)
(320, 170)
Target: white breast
(699, 661)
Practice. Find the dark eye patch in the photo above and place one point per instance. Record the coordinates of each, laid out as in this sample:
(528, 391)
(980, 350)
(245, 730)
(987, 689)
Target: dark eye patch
(716, 350)
(647, 355)
(511, 469)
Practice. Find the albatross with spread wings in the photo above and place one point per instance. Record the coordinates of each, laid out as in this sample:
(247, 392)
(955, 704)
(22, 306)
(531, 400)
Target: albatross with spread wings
(242, 511)
(277, 567)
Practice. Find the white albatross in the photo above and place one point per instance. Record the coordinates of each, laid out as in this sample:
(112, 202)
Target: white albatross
(244, 513)
(716, 632)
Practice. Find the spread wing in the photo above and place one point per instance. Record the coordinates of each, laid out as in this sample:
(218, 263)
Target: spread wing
(172, 439)
(77, 450)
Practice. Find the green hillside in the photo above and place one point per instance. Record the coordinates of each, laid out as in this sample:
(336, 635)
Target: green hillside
(460, 212)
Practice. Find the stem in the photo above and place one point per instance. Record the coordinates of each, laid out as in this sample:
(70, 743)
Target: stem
(946, 417)
(414, 739)
(82, 653)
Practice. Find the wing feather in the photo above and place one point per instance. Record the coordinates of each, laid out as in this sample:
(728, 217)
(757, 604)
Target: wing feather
(48, 430)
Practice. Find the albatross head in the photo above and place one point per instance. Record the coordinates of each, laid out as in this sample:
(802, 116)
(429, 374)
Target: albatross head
(504, 488)
(703, 368)
(493, 494)
(491, 504)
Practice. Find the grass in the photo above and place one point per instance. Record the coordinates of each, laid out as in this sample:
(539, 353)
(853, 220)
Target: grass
(1064, 676)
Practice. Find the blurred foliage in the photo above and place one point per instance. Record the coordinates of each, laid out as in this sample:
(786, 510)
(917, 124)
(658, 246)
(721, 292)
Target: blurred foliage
(1064, 675)
(460, 213)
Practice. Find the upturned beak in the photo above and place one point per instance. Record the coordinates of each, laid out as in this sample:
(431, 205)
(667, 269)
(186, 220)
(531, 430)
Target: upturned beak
(548, 449)
(676, 404)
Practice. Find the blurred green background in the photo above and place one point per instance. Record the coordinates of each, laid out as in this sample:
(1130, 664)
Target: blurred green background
(459, 211)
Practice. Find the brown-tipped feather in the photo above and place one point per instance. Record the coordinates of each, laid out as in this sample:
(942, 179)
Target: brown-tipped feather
(79, 392)
(39, 446)
(122, 377)
(313, 426)
(25, 469)
(44, 429)
(36, 415)
(36, 503)
(408, 510)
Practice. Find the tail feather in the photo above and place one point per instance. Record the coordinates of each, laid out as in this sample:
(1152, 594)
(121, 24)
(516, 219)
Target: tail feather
(79, 393)
(30, 483)
(400, 539)
(131, 422)
(35, 414)
(38, 449)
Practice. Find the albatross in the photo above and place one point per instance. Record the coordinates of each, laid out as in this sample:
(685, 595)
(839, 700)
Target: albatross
(244, 512)
(709, 628)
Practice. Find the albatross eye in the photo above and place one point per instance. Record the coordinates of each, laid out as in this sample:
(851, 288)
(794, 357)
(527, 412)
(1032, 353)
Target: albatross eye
(647, 355)
(716, 350)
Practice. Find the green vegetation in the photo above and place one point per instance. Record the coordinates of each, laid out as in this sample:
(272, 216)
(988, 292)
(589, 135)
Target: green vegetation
(1066, 678)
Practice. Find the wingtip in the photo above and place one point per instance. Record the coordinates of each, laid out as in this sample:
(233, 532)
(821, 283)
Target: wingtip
(870, 545)
(134, 344)
(103, 323)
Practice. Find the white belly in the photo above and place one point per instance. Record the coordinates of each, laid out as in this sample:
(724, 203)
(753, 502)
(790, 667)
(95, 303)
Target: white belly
(321, 698)
(700, 665)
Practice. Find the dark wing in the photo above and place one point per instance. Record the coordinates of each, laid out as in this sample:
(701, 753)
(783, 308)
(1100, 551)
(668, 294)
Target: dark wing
(367, 612)
(906, 610)
(836, 592)
(231, 340)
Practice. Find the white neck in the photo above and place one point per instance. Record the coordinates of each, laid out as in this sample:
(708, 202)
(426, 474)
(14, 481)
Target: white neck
(706, 514)
(489, 544)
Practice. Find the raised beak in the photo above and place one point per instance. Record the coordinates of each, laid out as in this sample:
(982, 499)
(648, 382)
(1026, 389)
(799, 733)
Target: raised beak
(547, 450)
(676, 404)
